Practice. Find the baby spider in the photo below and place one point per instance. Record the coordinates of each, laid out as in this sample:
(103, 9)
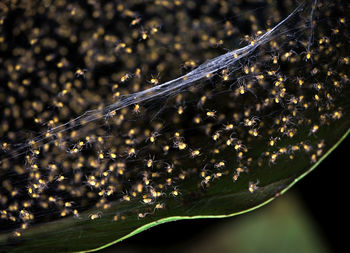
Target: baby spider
(80, 72)
(180, 144)
(205, 181)
(153, 136)
(125, 77)
(95, 216)
(228, 127)
(158, 206)
(219, 165)
(150, 161)
(253, 186)
(169, 167)
(135, 21)
(147, 200)
(60, 178)
(251, 122)
(4, 146)
(308, 55)
(76, 214)
(155, 80)
(110, 114)
(289, 54)
(238, 145)
(131, 152)
(143, 34)
(125, 197)
(314, 129)
(211, 114)
(216, 135)
(146, 177)
(175, 192)
(136, 109)
(273, 158)
(195, 153)
(238, 172)
(142, 215)
(273, 140)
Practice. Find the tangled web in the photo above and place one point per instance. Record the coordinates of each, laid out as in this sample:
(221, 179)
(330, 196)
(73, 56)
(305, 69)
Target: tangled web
(102, 103)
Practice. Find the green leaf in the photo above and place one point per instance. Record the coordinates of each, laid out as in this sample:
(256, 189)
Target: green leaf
(90, 235)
